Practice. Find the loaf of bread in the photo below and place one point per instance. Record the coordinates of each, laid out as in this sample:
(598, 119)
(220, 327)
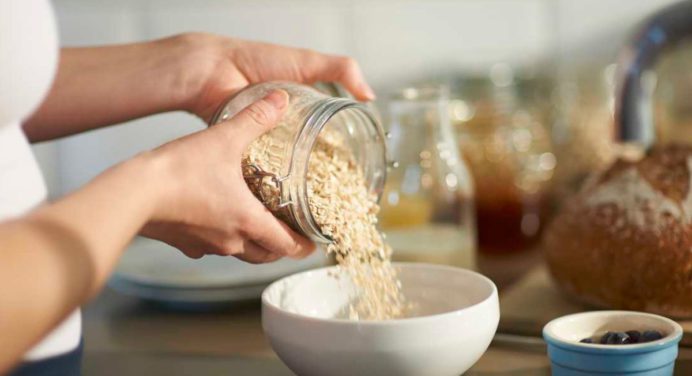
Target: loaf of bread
(625, 240)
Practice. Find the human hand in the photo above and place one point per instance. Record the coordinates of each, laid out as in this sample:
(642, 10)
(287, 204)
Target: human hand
(208, 207)
(194, 72)
(213, 68)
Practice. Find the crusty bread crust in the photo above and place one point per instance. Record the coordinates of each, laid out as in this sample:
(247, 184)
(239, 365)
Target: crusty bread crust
(625, 240)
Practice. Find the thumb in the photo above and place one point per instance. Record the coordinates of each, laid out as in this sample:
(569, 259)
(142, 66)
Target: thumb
(257, 118)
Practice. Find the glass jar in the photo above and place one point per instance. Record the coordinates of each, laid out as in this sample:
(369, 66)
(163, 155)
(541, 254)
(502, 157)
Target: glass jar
(275, 166)
(427, 210)
(584, 132)
(503, 138)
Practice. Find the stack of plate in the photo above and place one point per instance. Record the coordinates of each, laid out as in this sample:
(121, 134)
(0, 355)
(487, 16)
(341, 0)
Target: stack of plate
(154, 271)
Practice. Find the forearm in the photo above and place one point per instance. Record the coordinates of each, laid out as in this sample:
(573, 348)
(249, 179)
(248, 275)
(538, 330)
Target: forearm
(99, 86)
(54, 259)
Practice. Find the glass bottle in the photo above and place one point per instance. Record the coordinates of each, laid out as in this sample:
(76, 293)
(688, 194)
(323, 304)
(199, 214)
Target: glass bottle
(278, 177)
(427, 210)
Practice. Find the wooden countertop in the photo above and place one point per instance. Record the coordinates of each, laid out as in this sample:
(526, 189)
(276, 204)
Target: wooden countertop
(126, 336)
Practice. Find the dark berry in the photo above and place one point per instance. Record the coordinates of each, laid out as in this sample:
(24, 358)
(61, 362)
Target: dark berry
(605, 337)
(617, 338)
(586, 340)
(650, 335)
(634, 335)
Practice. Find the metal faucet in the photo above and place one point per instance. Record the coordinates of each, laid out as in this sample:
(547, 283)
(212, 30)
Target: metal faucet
(633, 107)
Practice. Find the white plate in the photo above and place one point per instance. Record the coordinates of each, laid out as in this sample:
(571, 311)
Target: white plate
(149, 263)
(187, 296)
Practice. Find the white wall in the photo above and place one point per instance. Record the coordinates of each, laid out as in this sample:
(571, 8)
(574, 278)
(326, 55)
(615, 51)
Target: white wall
(396, 41)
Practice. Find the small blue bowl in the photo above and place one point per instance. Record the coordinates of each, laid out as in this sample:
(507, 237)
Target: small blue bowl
(569, 357)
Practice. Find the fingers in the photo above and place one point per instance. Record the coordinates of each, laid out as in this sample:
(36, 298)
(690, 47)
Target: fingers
(263, 228)
(254, 254)
(256, 119)
(343, 70)
(193, 254)
(305, 253)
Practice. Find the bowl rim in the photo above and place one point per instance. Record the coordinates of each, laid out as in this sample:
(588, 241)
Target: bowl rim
(402, 321)
(669, 339)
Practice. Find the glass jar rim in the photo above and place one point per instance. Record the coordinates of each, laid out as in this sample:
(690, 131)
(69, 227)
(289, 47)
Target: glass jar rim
(319, 116)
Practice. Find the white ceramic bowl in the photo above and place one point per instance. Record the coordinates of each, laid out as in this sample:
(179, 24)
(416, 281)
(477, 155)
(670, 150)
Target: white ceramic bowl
(459, 308)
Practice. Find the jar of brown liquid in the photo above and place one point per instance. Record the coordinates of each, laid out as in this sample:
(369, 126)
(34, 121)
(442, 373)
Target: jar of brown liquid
(509, 153)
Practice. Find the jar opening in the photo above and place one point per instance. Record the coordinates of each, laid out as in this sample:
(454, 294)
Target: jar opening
(351, 124)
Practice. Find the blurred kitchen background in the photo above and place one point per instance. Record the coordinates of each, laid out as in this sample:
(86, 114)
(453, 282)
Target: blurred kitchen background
(528, 84)
(397, 42)
(527, 101)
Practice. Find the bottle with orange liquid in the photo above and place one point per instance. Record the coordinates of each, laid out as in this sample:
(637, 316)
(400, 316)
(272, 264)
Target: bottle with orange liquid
(427, 211)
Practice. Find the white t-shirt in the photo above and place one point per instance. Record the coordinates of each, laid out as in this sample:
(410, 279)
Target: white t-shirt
(28, 59)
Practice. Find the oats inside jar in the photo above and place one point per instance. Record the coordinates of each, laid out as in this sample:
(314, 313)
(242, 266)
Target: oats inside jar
(346, 211)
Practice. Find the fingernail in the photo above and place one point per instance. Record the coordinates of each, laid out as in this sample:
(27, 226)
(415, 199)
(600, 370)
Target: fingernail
(277, 98)
(369, 94)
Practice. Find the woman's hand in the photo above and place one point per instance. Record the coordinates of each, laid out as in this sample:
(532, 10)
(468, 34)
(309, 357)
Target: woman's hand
(99, 86)
(208, 208)
(217, 67)
(189, 193)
